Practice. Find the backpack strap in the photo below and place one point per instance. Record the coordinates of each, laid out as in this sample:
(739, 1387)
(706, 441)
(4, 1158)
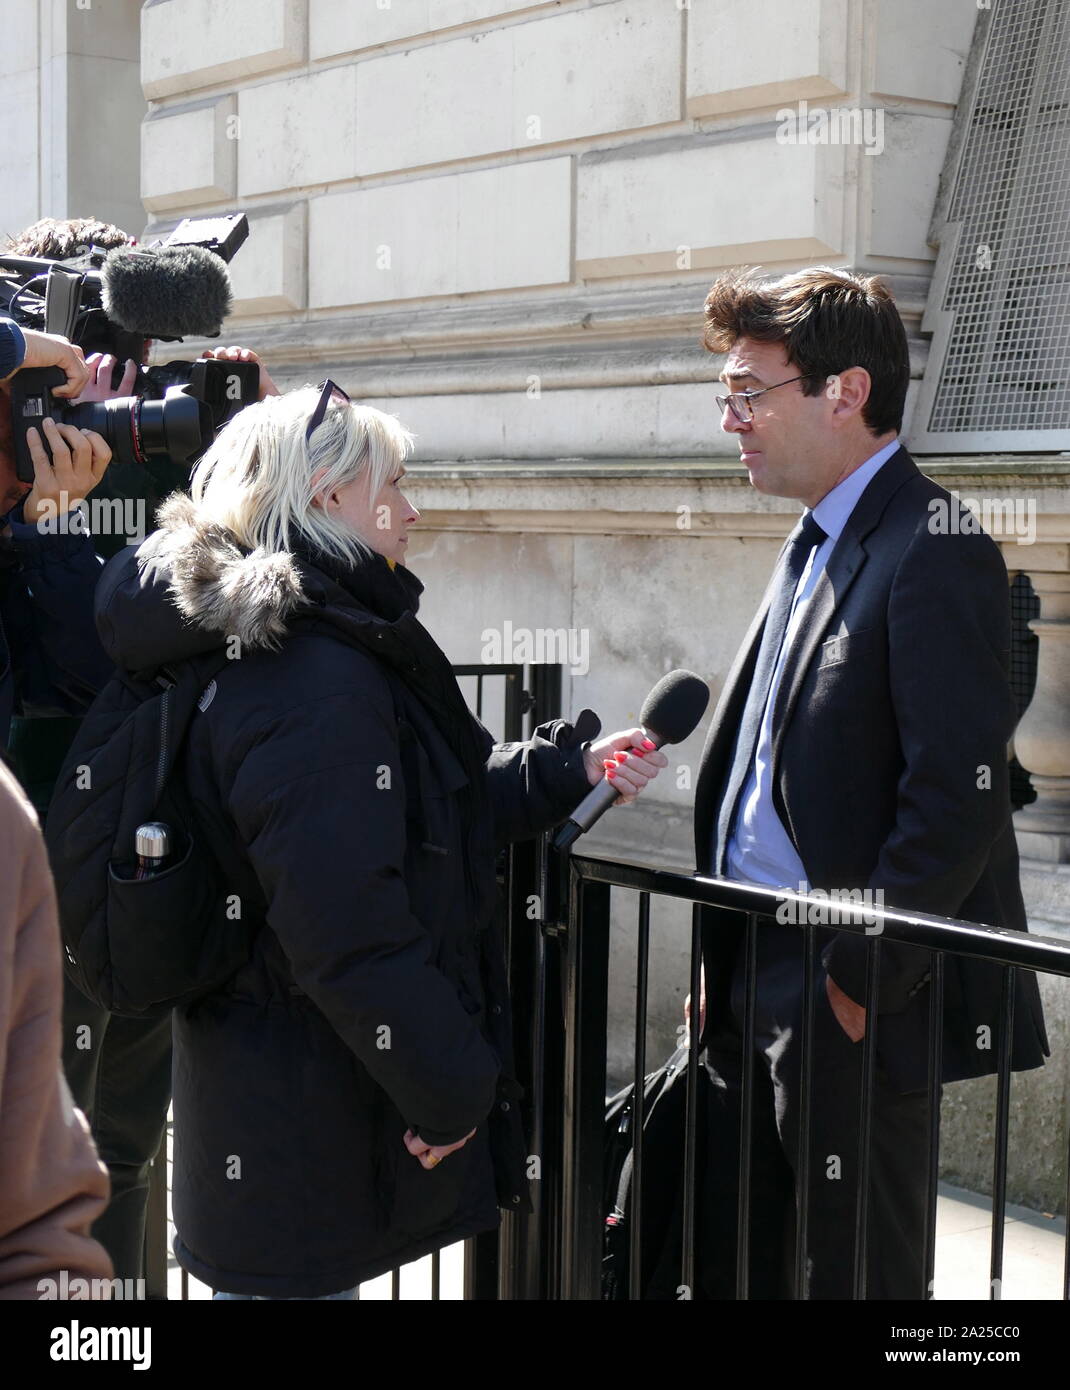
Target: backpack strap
(183, 684)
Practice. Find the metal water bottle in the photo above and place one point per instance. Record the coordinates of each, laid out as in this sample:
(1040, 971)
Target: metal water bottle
(152, 844)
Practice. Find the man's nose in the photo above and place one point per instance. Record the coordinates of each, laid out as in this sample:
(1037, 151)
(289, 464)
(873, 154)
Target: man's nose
(731, 423)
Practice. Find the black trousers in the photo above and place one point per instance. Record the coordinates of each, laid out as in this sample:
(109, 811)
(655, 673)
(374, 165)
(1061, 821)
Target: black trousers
(119, 1072)
(899, 1152)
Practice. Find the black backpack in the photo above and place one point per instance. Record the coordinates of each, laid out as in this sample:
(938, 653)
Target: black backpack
(664, 1119)
(138, 947)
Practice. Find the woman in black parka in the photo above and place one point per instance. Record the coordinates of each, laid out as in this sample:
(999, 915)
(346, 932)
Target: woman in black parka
(345, 1103)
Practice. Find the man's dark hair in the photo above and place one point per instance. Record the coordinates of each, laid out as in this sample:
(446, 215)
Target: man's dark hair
(58, 239)
(828, 320)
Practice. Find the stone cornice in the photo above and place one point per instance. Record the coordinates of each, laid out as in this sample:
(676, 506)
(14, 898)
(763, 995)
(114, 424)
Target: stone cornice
(436, 332)
(1029, 468)
(703, 499)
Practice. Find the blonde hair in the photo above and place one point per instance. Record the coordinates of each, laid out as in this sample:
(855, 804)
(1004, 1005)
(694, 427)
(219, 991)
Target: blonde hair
(258, 480)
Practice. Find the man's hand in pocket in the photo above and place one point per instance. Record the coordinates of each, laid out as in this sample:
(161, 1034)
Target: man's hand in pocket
(850, 1016)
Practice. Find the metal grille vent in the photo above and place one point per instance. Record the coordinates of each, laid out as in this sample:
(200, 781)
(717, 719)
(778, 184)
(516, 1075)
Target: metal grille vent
(998, 375)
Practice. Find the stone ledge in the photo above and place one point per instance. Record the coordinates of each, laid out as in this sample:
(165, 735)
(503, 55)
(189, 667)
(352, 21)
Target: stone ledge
(1046, 889)
(1024, 467)
(646, 497)
(513, 318)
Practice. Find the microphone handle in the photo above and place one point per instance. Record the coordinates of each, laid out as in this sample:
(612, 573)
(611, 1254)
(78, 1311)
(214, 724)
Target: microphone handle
(597, 801)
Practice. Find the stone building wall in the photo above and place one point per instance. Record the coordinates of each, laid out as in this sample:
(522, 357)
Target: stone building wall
(70, 110)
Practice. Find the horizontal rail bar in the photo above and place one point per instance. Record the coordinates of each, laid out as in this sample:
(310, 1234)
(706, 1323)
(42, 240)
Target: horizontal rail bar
(478, 669)
(1048, 954)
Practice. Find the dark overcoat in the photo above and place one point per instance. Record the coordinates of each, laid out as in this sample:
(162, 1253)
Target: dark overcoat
(356, 808)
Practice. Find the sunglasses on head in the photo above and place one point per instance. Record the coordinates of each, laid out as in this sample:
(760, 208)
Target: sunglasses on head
(328, 390)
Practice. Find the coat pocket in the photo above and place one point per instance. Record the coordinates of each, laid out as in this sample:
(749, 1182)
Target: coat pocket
(420, 1201)
(169, 936)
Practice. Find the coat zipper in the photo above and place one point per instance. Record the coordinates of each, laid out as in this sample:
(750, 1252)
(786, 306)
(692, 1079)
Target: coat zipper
(161, 765)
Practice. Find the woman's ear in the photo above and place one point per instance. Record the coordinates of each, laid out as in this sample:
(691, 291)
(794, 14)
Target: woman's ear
(325, 498)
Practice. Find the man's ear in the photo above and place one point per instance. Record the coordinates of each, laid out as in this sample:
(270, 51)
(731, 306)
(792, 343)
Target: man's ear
(849, 390)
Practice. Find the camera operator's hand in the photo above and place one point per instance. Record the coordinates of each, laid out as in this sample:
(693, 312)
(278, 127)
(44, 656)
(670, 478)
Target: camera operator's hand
(50, 350)
(240, 354)
(79, 460)
(100, 367)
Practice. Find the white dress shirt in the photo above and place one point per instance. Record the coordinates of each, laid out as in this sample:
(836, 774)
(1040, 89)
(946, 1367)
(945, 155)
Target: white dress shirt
(759, 848)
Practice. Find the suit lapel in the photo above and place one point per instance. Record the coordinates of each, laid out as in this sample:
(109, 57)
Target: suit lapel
(721, 737)
(842, 569)
(840, 572)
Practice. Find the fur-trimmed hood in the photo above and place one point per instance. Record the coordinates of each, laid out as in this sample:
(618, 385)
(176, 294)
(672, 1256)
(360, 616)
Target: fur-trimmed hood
(214, 584)
(190, 587)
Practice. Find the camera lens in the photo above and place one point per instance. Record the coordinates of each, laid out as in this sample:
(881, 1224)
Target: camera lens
(114, 420)
(178, 428)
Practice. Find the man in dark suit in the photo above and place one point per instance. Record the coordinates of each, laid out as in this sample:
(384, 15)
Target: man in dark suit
(860, 743)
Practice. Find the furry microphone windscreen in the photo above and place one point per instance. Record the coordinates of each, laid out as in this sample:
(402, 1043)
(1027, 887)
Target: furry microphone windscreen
(172, 292)
(674, 707)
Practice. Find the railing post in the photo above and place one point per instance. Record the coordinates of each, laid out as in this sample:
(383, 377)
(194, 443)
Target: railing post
(746, 1119)
(686, 1287)
(524, 1254)
(586, 973)
(806, 1069)
(480, 1268)
(936, 1071)
(156, 1226)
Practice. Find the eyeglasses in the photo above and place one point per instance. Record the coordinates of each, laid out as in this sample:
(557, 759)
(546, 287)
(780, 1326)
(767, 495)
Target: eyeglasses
(329, 390)
(739, 402)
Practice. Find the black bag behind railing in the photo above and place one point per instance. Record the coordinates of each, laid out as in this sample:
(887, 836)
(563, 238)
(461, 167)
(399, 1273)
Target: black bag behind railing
(139, 946)
(663, 1119)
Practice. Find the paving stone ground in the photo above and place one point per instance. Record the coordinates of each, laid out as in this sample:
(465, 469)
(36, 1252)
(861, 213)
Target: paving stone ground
(1033, 1257)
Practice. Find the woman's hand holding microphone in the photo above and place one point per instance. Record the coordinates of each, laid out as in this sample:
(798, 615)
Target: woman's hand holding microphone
(629, 760)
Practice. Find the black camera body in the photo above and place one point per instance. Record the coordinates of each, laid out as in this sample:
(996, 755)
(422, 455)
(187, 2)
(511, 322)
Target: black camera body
(111, 302)
(176, 415)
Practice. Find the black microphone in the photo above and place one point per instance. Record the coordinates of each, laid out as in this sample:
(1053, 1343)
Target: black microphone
(166, 292)
(670, 714)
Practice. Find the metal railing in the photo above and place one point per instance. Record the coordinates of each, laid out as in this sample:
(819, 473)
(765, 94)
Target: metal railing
(557, 1252)
(558, 961)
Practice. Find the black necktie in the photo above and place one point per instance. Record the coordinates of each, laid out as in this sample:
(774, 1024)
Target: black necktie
(785, 581)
